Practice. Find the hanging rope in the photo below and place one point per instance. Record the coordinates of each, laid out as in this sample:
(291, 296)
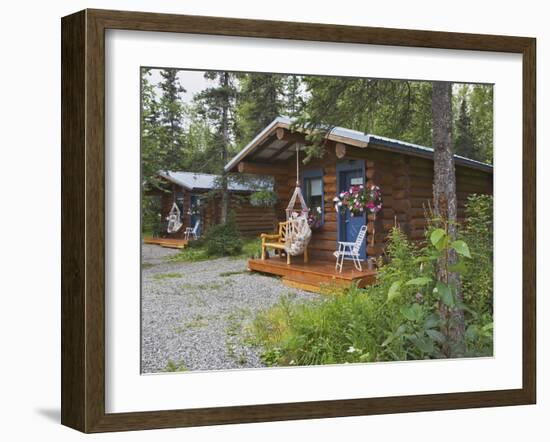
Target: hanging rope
(298, 230)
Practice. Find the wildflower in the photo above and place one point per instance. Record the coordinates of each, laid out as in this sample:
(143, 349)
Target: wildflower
(351, 349)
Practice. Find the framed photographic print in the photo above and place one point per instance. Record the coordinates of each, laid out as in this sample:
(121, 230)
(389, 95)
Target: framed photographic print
(267, 221)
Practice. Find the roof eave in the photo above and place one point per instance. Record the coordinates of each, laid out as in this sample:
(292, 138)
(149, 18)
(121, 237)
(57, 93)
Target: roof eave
(174, 181)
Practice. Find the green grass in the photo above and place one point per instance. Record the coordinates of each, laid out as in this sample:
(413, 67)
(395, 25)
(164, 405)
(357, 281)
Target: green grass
(147, 265)
(213, 285)
(160, 276)
(251, 249)
(234, 335)
(190, 255)
(198, 321)
(172, 366)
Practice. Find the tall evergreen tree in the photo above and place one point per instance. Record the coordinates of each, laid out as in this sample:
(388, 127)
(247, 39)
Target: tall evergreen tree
(481, 114)
(464, 144)
(171, 113)
(261, 99)
(217, 104)
(151, 161)
(294, 99)
(391, 108)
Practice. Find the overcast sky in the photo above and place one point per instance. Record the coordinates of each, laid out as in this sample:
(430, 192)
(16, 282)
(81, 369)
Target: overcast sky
(192, 81)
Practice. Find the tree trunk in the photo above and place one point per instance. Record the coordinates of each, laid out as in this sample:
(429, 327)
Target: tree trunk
(445, 206)
(225, 146)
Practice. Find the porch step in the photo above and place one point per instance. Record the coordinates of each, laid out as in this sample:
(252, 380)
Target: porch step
(312, 276)
(306, 287)
(171, 243)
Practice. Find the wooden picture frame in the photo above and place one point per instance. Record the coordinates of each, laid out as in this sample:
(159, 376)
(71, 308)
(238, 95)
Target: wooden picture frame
(83, 220)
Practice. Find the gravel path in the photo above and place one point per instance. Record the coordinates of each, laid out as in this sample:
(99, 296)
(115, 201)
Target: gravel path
(194, 314)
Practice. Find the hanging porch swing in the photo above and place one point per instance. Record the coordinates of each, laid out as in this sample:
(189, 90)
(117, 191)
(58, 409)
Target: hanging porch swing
(294, 234)
(174, 219)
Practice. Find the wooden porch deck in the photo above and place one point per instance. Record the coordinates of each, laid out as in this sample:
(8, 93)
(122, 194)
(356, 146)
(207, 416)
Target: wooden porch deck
(313, 275)
(172, 243)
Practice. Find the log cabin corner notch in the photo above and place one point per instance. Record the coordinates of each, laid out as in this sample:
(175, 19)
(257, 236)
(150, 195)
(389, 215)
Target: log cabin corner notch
(404, 171)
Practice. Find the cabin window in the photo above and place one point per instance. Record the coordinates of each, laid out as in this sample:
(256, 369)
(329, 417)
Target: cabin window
(313, 192)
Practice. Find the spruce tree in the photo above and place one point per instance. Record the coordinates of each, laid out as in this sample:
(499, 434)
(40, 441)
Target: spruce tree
(261, 99)
(217, 105)
(172, 109)
(151, 161)
(464, 144)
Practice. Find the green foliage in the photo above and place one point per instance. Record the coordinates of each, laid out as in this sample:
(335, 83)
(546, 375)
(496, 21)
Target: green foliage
(224, 239)
(464, 142)
(160, 276)
(190, 254)
(392, 108)
(263, 198)
(252, 248)
(163, 137)
(172, 367)
(261, 99)
(150, 215)
(473, 121)
(398, 318)
(477, 285)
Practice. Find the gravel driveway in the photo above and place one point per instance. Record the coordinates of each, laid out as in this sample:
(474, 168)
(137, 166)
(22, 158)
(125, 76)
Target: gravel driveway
(194, 314)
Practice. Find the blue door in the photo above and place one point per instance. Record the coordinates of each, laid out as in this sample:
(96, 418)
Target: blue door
(350, 173)
(195, 213)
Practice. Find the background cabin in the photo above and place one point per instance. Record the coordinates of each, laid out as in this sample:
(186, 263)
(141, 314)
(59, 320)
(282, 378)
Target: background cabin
(192, 193)
(404, 171)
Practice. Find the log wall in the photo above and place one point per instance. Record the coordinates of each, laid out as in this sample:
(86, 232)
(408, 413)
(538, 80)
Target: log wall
(251, 220)
(406, 184)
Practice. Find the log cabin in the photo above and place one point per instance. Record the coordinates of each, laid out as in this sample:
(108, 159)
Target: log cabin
(192, 193)
(404, 172)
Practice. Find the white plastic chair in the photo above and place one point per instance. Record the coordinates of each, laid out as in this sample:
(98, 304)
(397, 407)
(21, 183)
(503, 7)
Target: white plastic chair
(350, 250)
(192, 231)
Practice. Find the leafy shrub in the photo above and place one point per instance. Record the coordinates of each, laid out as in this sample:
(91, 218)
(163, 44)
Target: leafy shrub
(198, 243)
(263, 198)
(477, 231)
(343, 327)
(252, 247)
(398, 318)
(224, 239)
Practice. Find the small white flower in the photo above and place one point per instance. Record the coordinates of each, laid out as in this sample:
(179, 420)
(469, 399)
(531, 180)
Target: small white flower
(318, 210)
(351, 349)
(339, 204)
(435, 290)
(342, 195)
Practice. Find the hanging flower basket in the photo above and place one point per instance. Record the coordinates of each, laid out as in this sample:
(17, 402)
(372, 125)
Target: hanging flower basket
(359, 199)
(314, 219)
